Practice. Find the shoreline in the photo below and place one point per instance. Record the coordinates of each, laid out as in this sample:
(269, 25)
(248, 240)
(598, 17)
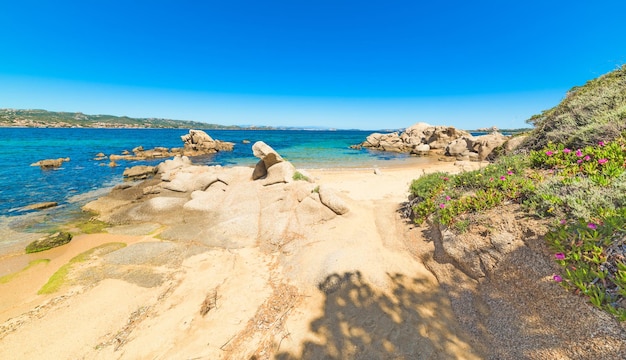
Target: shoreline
(396, 172)
(361, 283)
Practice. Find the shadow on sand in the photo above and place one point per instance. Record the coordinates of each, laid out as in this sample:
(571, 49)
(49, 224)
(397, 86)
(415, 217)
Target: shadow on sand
(411, 321)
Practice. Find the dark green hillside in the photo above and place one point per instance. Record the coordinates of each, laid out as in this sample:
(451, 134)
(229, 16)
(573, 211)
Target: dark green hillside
(590, 113)
(43, 118)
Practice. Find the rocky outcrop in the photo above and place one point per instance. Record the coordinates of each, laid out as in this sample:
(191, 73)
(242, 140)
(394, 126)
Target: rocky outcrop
(50, 163)
(227, 207)
(198, 140)
(39, 206)
(421, 138)
(414, 138)
(48, 242)
(196, 143)
(139, 172)
(271, 168)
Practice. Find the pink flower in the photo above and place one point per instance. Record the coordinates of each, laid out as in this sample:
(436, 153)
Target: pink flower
(549, 153)
(509, 172)
(587, 158)
(601, 143)
(503, 178)
(490, 179)
(442, 205)
(567, 151)
(579, 161)
(448, 198)
(579, 153)
(445, 179)
(557, 278)
(602, 161)
(592, 226)
(559, 256)
(563, 221)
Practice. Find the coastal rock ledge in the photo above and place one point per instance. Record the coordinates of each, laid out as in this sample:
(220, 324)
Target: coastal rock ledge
(422, 138)
(231, 207)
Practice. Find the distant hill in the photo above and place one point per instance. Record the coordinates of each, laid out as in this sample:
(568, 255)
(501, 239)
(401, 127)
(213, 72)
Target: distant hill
(590, 113)
(43, 118)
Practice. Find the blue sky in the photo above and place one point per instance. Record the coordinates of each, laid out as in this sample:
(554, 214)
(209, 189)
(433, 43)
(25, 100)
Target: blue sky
(341, 64)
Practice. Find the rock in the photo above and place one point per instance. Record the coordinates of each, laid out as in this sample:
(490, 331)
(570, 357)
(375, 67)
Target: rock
(377, 171)
(438, 137)
(485, 144)
(330, 198)
(50, 163)
(265, 152)
(137, 149)
(40, 206)
(114, 157)
(513, 143)
(418, 139)
(459, 146)
(176, 163)
(245, 141)
(279, 173)
(260, 171)
(48, 242)
(199, 141)
(421, 149)
(139, 172)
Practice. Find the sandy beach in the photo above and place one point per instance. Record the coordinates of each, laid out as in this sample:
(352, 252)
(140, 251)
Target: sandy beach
(356, 286)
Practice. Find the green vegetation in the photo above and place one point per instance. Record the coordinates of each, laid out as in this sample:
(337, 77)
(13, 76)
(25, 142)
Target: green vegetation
(92, 226)
(60, 277)
(6, 278)
(298, 176)
(43, 118)
(584, 190)
(574, 172)
(49, 242)
(588, 114)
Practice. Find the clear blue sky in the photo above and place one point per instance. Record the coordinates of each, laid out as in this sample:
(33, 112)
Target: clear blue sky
(342, 64)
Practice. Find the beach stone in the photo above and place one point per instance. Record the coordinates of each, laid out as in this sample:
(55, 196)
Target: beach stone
(40, 206)
(329, 197)
(260, 171)
(513, 143)
(48, 242)
(458, 146)
(50, 163)
(279, 173)
(139, 172)
(199, 141)
(173, 164)
(421, 149)
(265, 152)
(485, 144)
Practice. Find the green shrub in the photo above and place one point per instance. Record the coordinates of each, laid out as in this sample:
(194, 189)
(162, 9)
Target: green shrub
(591, 254)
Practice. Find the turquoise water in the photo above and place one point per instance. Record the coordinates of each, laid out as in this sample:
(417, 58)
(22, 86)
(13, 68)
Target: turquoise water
(83, 178)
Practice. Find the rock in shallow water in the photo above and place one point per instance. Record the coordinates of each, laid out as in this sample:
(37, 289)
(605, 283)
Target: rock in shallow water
(48, 242)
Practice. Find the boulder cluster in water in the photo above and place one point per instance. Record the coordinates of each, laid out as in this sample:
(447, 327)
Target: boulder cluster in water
(421, 138)
(196, 143)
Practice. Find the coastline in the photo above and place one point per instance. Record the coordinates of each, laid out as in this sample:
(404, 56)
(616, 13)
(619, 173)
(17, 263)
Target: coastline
(20, 323)
(365, 282)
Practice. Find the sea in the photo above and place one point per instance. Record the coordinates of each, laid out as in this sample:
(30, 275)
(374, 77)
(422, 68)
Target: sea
(84, 178)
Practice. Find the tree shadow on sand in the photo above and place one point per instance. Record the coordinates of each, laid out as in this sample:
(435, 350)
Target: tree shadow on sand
(412, 320)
